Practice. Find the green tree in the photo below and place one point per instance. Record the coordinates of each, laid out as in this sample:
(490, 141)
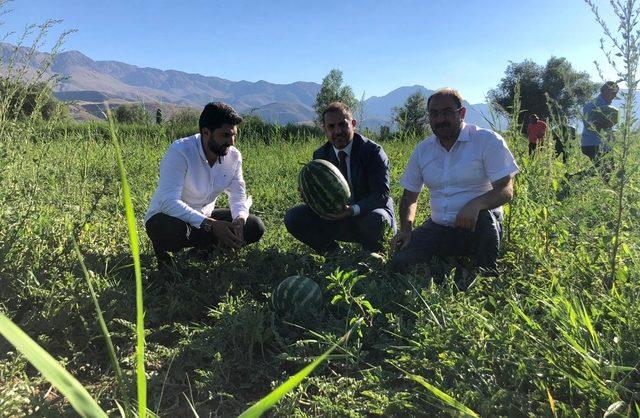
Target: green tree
(132, 114)
(412, 116)
(557, 82)
(332, 90)
(385, 132)
(21, 100)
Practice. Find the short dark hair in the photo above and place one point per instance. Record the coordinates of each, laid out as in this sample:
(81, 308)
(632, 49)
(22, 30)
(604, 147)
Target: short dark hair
(337, 107)
(447, 92)
(610, 86)
(216, 114)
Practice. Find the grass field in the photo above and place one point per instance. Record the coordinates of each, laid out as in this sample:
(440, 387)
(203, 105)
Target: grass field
(553, 335)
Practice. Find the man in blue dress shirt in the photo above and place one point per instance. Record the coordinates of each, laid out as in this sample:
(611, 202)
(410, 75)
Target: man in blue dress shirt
(595, 135)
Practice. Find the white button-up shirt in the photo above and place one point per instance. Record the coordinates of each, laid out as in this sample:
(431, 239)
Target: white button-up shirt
(188, 186)
(478, 158)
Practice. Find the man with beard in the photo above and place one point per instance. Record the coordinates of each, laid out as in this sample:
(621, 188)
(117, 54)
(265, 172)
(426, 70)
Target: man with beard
(193, 173)
(365, 166)
(469, 173)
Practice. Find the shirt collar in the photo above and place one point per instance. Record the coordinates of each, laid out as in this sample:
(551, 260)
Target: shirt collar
(200, 149)
(464, 133)
(346, 149)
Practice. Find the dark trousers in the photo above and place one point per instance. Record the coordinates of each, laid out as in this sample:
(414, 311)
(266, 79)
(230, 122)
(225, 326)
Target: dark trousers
(596, 154)
(169, 234)
(432, 239)
(533, 146)
(321, 234)
(559, 146)
(591, 151)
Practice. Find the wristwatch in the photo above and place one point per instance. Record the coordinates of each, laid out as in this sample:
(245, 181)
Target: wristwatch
(207, 224)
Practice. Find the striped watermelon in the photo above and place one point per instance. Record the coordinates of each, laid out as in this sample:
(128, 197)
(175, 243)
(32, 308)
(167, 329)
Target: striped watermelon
(323, 187)
(297, 296)
(604, 117)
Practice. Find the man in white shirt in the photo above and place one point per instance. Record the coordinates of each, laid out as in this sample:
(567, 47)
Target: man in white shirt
(193, 173)
(469, 173)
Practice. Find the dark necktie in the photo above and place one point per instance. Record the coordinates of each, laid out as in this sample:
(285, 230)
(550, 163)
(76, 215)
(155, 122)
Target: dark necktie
(343, 164)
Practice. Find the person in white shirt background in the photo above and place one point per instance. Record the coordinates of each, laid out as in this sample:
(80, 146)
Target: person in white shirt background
(193, 172)
(469, 172)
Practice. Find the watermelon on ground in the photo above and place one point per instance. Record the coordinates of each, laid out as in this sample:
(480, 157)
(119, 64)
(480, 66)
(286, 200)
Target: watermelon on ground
(323, 187)
(298, 297)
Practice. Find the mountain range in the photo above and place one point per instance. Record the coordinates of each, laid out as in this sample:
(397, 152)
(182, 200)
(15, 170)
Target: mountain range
(89, 83)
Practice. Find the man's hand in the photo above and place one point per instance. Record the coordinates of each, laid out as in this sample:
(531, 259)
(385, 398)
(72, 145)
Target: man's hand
(468, 216)
(347, 212)
(400, 240)
(223, 231)
(238, 228)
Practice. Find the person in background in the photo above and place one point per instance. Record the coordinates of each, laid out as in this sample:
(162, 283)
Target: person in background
(563, 134)
(535, 132)
(599, 118)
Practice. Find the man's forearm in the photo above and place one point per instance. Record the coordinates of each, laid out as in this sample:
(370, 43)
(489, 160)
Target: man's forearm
(408, 209)
(501, 193)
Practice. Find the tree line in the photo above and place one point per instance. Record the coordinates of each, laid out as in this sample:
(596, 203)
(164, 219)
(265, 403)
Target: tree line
(555, 88)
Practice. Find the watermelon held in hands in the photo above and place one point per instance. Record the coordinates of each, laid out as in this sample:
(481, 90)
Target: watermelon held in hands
(297, 297)
(323, 187)
(604, 117)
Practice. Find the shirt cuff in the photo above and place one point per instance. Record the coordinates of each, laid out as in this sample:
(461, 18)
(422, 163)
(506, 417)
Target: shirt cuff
(243, 215)
(356, 210)
(196, 220)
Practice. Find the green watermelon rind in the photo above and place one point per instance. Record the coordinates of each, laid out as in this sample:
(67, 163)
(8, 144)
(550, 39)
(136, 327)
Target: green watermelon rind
(315, 182)
(603, 117)
(285, 297)
(312, 185)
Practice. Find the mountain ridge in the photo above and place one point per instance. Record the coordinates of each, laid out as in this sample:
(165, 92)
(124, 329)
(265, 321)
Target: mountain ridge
(85, 79)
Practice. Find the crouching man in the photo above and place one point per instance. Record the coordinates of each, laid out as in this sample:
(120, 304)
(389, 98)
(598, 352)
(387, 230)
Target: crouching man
(365, 166)
(193, 172)
(469, 173)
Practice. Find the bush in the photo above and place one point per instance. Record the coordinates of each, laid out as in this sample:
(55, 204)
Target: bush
(132, 114)
(22, 100)
(99, 130)
(186, 117)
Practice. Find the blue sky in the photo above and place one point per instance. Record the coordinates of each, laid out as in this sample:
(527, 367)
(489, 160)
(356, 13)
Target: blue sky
(379, 45)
